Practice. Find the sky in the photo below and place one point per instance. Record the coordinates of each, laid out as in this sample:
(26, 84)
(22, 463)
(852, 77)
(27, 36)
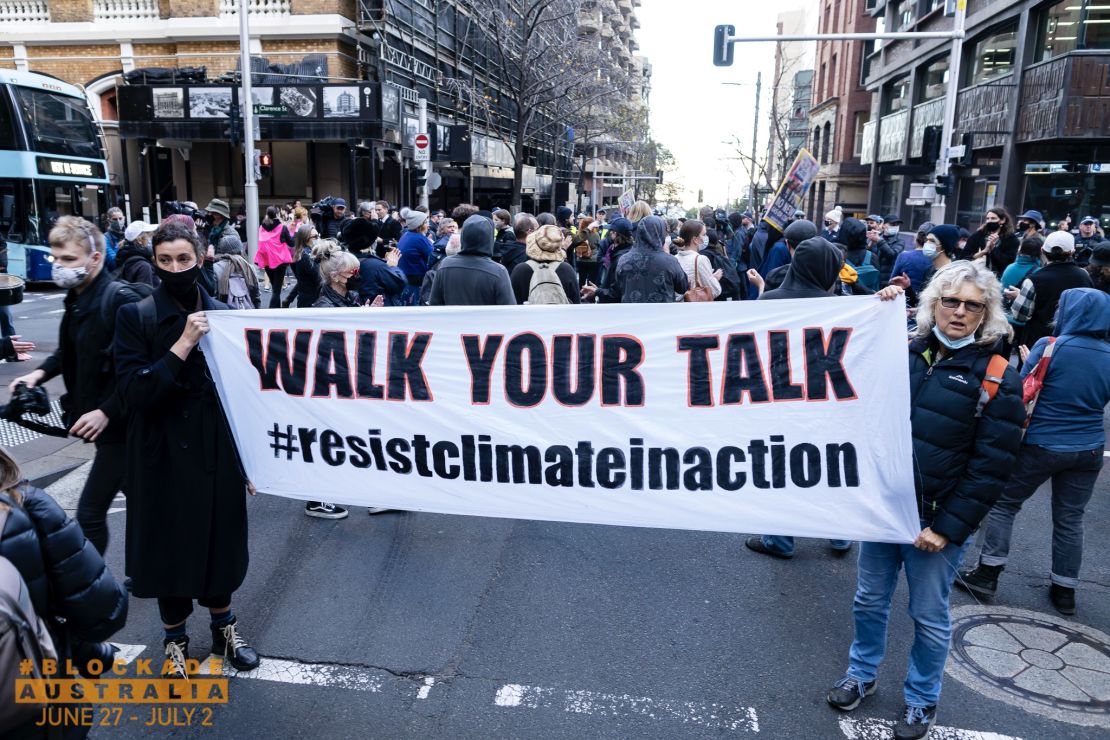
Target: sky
(692, 112)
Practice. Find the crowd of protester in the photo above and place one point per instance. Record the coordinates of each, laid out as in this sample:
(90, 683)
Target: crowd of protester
(990, 305)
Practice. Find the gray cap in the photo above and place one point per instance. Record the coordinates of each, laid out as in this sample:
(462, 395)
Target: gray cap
(798, 231)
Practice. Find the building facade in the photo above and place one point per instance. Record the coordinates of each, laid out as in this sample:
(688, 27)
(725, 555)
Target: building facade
(841, 109)
(791, 93)
(337, 86)
(1031, 110)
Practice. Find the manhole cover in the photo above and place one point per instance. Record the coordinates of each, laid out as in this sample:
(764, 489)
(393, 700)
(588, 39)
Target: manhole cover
(1038, 662)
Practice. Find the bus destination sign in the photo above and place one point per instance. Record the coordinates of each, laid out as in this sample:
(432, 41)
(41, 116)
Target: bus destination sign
(70, 168)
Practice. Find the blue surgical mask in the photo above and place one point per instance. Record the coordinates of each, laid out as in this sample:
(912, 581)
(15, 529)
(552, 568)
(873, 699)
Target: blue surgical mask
(893, 229)
(929, 250)
(953, 343)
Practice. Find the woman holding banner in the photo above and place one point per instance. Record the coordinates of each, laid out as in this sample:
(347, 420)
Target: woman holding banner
(186, 491)
(966, 416)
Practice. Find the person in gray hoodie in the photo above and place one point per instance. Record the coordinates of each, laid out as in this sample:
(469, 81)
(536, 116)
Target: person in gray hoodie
(471, 277)
(646, 273)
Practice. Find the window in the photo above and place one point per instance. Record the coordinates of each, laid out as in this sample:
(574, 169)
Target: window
(865, 61)
(826, 143)
(58, 124)
(908, 15)
(1073, 24)
(816, 141)
(833, 88)
(936, 80)
(862, 117)
(994, 55)
(9, 132)
(899, 96)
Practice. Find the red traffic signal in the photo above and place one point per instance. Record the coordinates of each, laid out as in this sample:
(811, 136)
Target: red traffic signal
(265, 163)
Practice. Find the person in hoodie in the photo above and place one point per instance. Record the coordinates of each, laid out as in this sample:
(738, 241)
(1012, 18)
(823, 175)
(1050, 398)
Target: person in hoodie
(646, 273)
(1063, 443)
(777, 256)
(857, 254)
(796, 233)
(813, 273)
(471, 277)
(621, 231)
(135, 260)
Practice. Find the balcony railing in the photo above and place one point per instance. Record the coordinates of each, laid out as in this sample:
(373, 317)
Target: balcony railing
(24, 11)
(125, 10)
(929, 113)
(1065, 98)
(256, 7)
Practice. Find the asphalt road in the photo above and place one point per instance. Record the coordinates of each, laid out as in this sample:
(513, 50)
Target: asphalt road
(423, 625)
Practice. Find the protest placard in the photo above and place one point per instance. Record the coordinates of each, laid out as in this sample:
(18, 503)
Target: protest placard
(792, 191)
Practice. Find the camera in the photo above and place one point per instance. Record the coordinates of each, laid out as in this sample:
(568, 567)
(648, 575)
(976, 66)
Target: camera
(26, 401)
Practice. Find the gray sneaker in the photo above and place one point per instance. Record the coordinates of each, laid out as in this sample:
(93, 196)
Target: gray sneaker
(848, 692)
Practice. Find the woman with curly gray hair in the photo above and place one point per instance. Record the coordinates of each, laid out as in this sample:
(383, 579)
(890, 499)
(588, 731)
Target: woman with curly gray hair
(966, 414)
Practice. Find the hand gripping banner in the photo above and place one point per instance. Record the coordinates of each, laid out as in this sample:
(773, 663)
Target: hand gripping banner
(776, 417)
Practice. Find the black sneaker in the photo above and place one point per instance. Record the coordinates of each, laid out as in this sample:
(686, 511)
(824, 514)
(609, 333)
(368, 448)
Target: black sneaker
(981, 580)
(848, 692)
(177, 652)
(1063, 598)
(322, 510)
(915, 723)
(227, 641)
(756, 545)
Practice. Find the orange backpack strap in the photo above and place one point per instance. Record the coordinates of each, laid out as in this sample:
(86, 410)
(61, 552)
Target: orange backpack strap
(988, 389)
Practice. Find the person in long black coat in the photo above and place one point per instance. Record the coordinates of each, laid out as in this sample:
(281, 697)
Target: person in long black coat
(186, 508)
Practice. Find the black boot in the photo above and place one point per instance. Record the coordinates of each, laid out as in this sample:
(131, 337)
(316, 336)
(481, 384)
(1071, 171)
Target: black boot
(177, 652)
(982, 581)
(1063, 598)
(227, 641)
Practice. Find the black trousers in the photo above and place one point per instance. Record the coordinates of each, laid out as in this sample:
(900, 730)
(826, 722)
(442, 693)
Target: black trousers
(104, 482)
(277, 282)
(175, 610)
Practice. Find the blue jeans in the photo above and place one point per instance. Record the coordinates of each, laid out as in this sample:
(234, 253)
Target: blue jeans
(410, 296)
(7, 326)
(929, 576)
(785, 545)
(1073, 477)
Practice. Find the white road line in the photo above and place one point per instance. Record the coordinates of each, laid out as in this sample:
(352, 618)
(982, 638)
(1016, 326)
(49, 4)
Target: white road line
(311, 674)
(869, 728)
(128, 653)
(426, 689)
(60, 310)
(716, 716)
(1106, 453)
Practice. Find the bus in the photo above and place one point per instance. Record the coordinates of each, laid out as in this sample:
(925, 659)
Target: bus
(51, 165)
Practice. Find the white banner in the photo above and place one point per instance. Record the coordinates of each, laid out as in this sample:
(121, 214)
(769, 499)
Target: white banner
(775, 417)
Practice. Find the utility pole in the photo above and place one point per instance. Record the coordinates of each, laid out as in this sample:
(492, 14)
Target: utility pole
(595, 202)
(755, 138)
(422, 127)
(250, 186)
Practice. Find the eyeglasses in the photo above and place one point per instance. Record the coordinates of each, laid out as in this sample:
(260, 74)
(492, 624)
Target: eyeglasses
(971, 306)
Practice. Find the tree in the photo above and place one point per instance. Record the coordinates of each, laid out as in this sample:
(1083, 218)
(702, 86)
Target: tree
(536, 61)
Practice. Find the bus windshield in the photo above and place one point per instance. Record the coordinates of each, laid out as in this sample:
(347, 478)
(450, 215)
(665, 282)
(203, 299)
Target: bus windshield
(58, 124)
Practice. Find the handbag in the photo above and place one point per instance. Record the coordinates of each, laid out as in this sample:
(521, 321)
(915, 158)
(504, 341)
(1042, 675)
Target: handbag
(1033, 383)
(699, 293)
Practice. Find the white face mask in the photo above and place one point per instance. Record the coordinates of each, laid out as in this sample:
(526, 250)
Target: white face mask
(68, 277)
(893, 229)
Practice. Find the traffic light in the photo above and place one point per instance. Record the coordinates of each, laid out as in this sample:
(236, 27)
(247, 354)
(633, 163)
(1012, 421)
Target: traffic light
(233, 130)
(265, 164)
(420, 180)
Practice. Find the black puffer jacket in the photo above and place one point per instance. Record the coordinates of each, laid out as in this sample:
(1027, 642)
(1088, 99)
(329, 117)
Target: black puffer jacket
(960, 462)
(64, 573)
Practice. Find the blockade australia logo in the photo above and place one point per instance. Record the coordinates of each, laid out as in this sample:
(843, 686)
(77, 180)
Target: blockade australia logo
(60, 693)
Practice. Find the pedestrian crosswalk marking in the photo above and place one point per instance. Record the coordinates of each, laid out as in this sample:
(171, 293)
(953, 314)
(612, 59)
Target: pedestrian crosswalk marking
(869, 728)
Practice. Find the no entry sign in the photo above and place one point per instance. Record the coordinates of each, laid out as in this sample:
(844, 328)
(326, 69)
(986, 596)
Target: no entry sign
(422, 148)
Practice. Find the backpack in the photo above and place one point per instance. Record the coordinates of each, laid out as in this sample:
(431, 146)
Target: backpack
(730, 277)
(992, 379)
(24, 640)
(238, 290)
(868, 274)
(137, 291)
(545, 286)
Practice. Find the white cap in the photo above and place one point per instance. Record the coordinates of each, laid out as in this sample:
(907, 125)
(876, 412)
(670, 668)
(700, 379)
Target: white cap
(136, 228)
(835, 215)
(1062, 239)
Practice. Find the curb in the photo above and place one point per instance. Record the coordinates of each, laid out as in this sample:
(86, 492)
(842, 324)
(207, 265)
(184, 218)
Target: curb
(49, 478)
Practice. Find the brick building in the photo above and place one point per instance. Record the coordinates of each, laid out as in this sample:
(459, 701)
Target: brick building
(841, 108)
(389, 53)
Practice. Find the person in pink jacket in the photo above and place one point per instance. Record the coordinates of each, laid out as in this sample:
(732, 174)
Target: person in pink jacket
(273, 255)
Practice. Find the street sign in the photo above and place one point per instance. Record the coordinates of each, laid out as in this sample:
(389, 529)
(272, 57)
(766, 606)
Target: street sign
(422, 148)
(434, 181)
(957, 152)
(261, 109)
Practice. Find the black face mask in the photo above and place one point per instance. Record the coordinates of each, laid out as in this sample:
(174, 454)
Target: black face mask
(181, 285)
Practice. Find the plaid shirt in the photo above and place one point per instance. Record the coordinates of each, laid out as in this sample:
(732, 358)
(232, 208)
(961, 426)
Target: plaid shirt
(1022, 308)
